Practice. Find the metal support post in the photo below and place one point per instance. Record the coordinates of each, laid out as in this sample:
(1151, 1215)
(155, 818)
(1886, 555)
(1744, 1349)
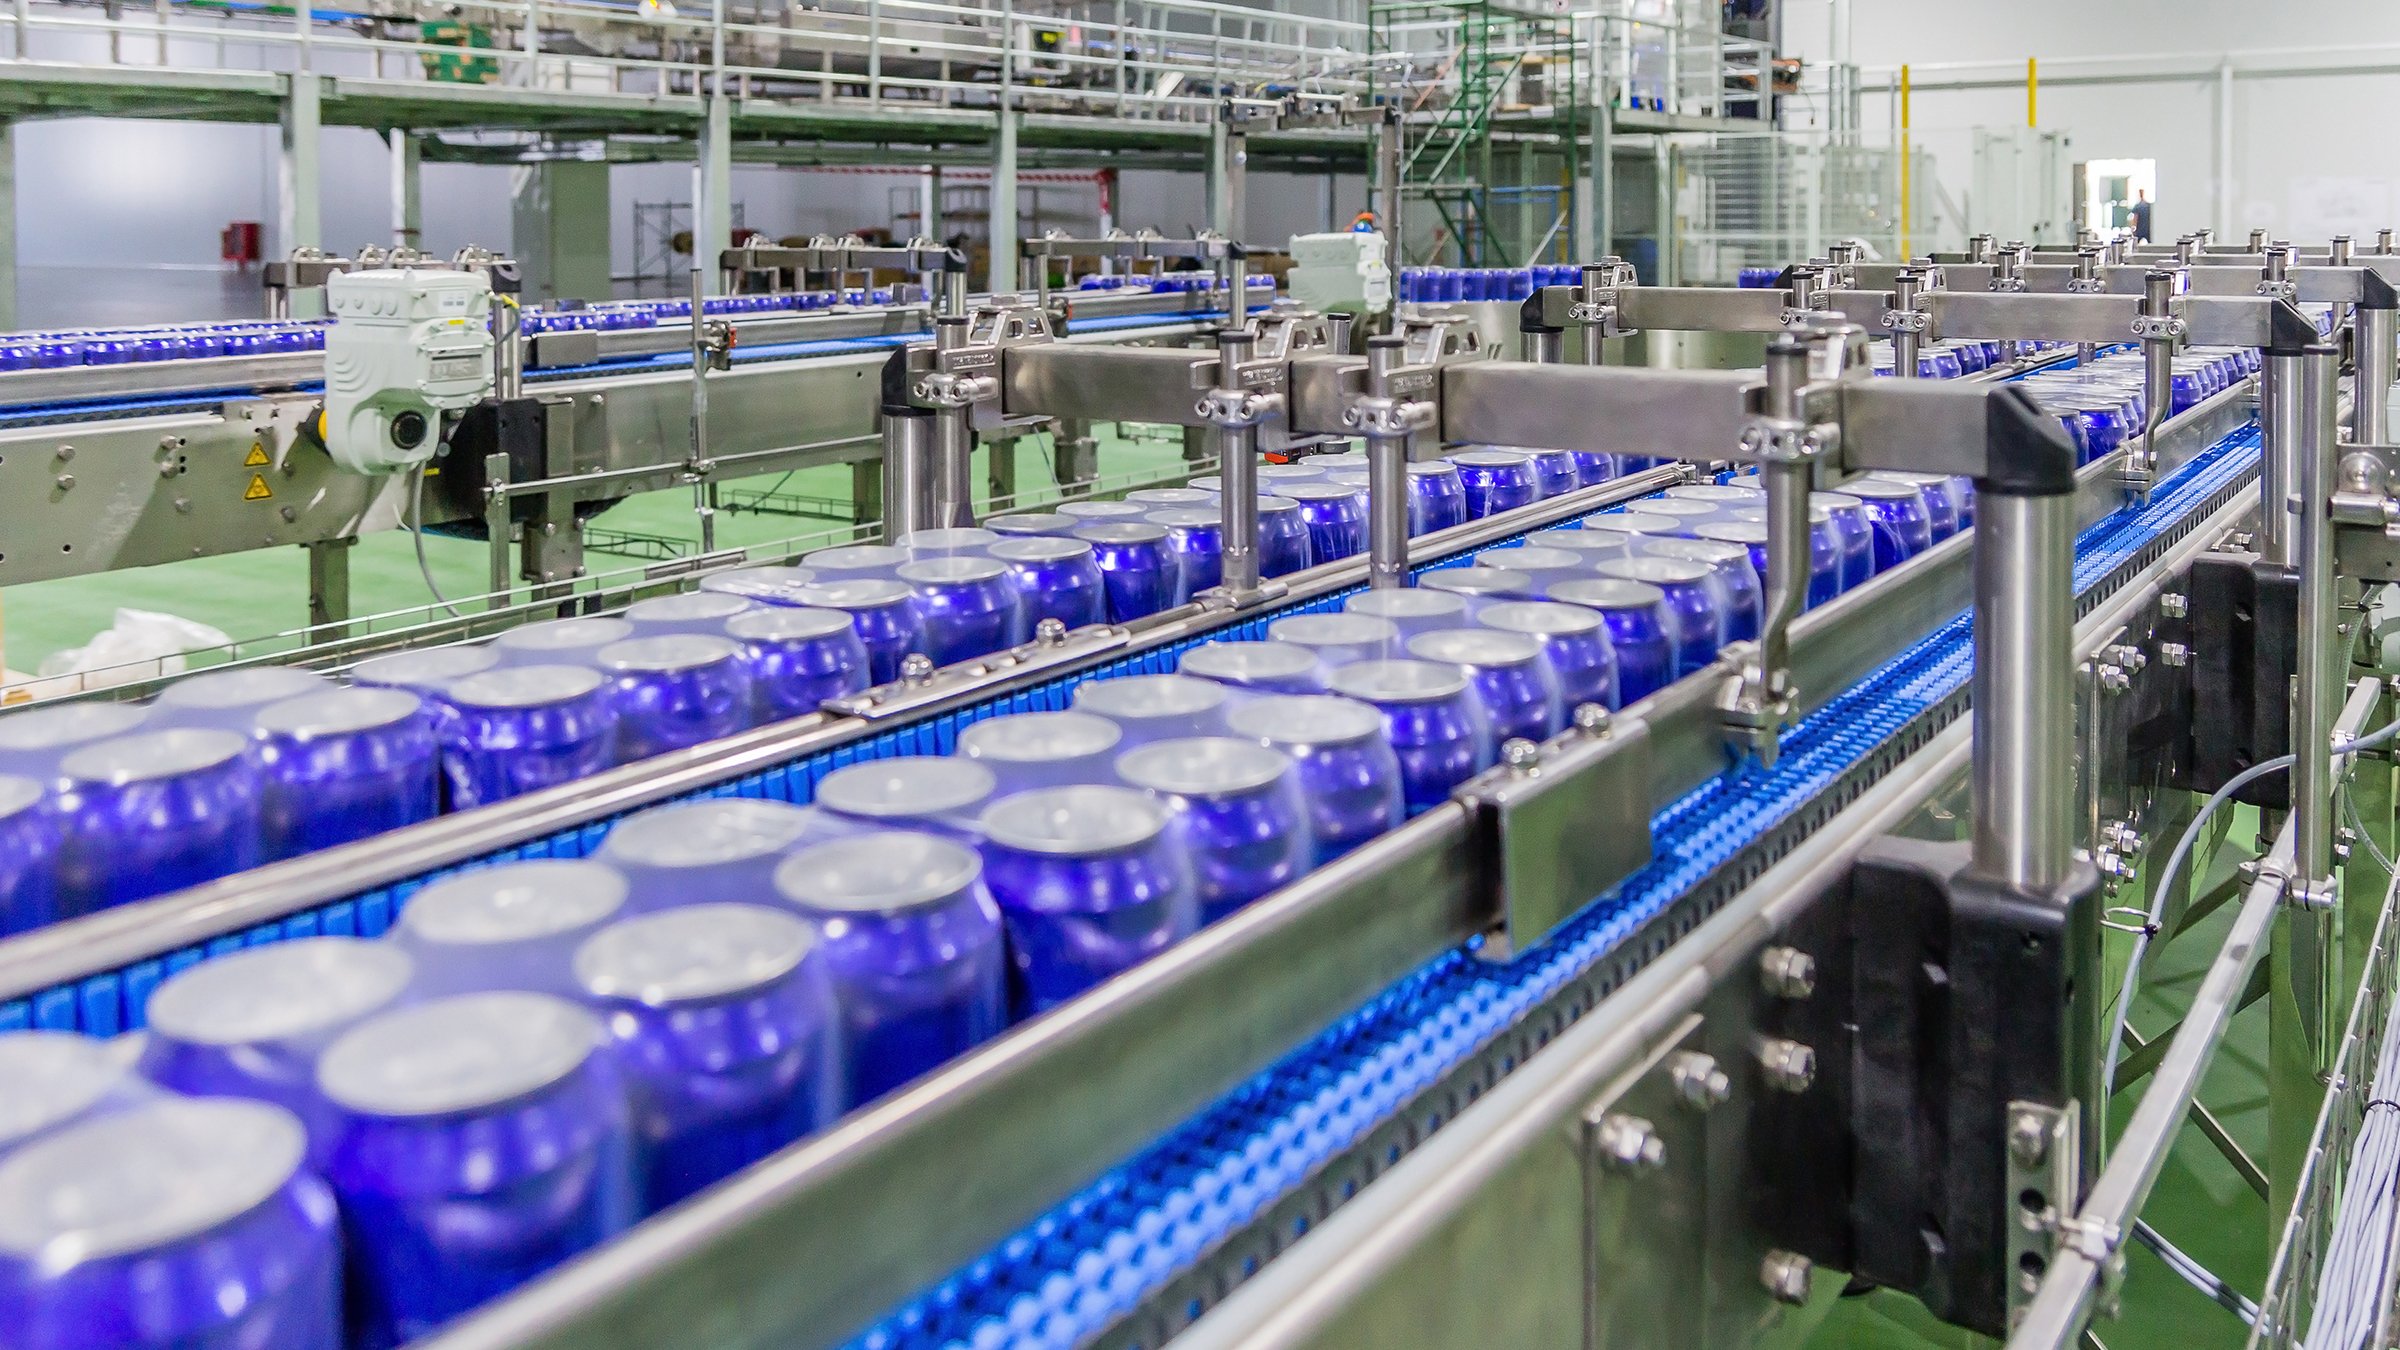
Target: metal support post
(907, 471)
(706, 349)
(1387, 474)
(299, 221)
(953, 441)
(2321, 671)
(712, 192)
(1387, 183)
(2023, 690)
(329, 589)
(2280, 413)
(1001, 270)
(1908, 330)
(8, 225)
(1760, 698)
(2374, 348)
(1236, 434)
(408, 189)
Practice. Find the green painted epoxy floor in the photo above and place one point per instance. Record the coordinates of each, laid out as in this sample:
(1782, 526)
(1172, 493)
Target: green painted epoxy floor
(259, 594)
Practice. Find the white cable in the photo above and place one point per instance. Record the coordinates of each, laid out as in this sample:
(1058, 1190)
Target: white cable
(2196, 1275)
(416, 532)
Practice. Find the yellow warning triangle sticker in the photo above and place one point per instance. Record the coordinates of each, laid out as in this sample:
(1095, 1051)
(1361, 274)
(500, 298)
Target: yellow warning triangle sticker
(258, 491)
(257, 457)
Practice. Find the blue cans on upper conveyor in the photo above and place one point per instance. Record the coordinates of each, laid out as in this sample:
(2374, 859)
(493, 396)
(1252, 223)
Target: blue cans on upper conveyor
(343, 765)
(882, 612)
(1043, 749)
(515, 926)
(1140, 570)
(724, 1026)
(560, 641)
(1641, 632)
(482, 1140)
(1239, 815)
(715, 851)
(761, 585)
(29, 843)
(1090, 884)
(1511, 676)
(914, 947)
(701, 612)
(1350, 778)
(798, 658)
(517, 730)
(34, 740)
(226, 700)
(674, 691)
(1056, 577)
(1431, 717)
(1575, 641)
(153, 812)
(1336, 514)
(171, 1224)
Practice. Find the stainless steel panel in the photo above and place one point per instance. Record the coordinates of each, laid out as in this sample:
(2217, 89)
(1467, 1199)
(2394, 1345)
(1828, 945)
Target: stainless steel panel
(1927, 426)
(1132, 384)
(1714, 309)
(1561, 828)
(2031, 317)
(160, 378)
(1684, 414)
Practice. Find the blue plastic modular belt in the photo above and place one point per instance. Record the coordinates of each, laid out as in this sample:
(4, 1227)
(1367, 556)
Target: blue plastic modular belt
(1092, 1260)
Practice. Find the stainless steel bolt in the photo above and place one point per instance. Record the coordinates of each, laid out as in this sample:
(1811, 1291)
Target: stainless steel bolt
(1699, 1080)
(2028, 1139)
(916, 668)
(1630, 1143)
(1591, 718)
(1787, 972)
(1050, 632)
(1789, 1065)
(1788, 1276)
(65, 481)
(1519, 754)
(2175, 654)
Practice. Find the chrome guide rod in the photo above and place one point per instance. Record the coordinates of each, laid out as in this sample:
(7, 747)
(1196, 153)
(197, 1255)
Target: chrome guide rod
(1237, 464)
(704, 492)
(2158, 355)
(2279, 418)
(1908, 337)
(2375, 335)
(907, 471)
(1387, 476)
(2320, 670)
(2024, 701)
(953, 441)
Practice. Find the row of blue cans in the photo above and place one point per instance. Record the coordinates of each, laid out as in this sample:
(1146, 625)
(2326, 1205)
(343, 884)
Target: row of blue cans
(1452, 285)
(367, 1138)
(117, 347)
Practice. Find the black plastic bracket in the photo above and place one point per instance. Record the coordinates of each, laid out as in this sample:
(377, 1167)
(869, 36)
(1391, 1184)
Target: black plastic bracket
(1530, 318)
(2245, 616)
(516, 427)
(1941, 999)
(2027, 453)
(893, 385)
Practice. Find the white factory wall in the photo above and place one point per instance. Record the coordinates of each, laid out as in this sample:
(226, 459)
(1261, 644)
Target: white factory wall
(2310, 78)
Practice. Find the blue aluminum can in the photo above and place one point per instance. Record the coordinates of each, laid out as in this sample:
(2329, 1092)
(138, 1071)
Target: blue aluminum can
(172, 1225)
(1261, 667)
(1032, 524)
(1437, 496)
(1283, 546)
(253, 1023)
(1337, 519)
(797, 659)
(1043, 749)
(1141, 572)
(1510, 674)
(484, 1139)
(1543, 564)
(1824, 556)
(1692, 602)
(1091, 512)
(34, 740)
(1640, 630)
(29, 843)
(1740, 592)
(1411, 609)
(1271, 474)
(560, 642)
(718, 850)
(1432, 719)
(1645, 521)
(1593, 468)
(428, 673)
(674, 691)
(1149, 499)
(914, 946)
(761, 585)
(1481, 583)
(1852, 532)
(856, 562)
(517, 730)
(1686, 513)
(1595, 542)
(53, 1079)
(1238, 814)
(1555, 472)
(1902, 530)
(1156, 707)
(1717, 494)
(882, 612)
(153, 812)
(226, 700)
(343, 765)
(725, 1029)
(1090, 883)
(947, 542)
(1573, 639)
(1349, 777)
(1496, 481)
(1946, 499)
(513, 926)
(937, 794)
(1339, 639)
(698, 613)
(966, 606)
(1196, 536)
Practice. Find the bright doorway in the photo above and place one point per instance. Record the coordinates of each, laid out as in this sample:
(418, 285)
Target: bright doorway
(2106, 190)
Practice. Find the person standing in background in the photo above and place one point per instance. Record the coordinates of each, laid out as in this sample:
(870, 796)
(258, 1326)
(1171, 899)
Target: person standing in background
(2141, 216)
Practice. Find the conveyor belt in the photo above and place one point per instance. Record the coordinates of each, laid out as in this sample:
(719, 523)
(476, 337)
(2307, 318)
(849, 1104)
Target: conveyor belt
(1105, 1252)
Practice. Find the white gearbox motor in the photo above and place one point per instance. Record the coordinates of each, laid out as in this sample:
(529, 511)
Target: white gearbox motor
(406, 346)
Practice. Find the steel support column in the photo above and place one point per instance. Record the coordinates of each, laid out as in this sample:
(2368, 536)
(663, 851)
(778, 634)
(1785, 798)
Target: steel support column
(2024, 701)
(298, 222)
(408, 190)
(1001, 271)
(712, 184)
